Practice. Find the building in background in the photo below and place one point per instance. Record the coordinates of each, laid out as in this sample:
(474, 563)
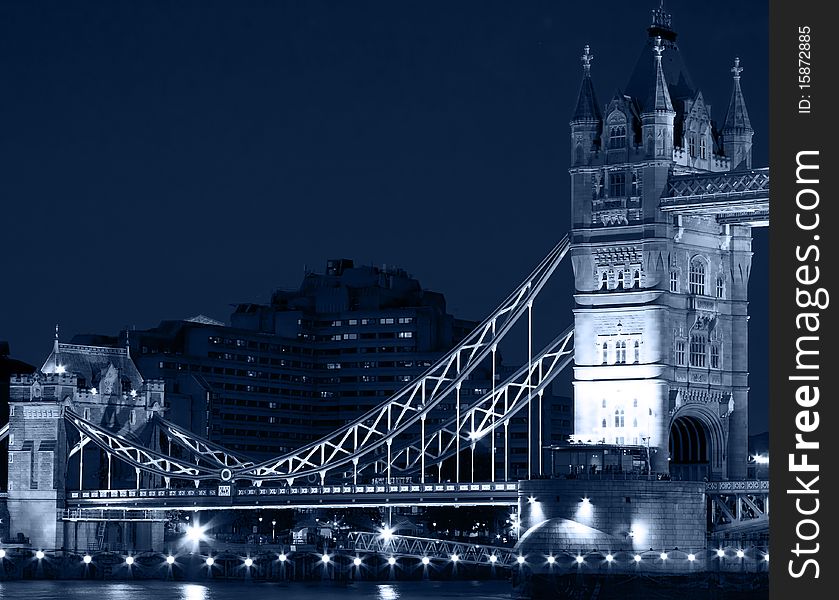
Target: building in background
(286, 373)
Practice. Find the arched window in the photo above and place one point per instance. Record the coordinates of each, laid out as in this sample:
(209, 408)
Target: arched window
(635, 403)
(692, 145)
(637, 357)
(605, 354)
(636, 279)
(634, 184)
(702, 147)
(604, 403)
(635, 422)
(604, 281)
(620, 279)
(697, 277)
(619, 417)
(715, 356)
(617, 137)
(603, 424)
(680, 353)
(698, 346)
(720, 287)
(622, 352)
(674, 281)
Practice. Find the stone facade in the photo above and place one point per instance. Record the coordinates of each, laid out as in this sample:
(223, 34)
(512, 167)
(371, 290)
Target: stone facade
(101, 385)
(568, 515)
(661, 301)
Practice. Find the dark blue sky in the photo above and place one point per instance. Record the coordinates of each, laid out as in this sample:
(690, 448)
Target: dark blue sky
(164, 159)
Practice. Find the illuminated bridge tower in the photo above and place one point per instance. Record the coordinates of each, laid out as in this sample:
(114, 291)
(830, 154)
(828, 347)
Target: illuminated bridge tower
(661, 278)
(102, 386)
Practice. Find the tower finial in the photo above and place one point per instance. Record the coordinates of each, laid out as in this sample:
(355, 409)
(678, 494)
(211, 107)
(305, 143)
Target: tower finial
(56, 332)
(586, 58)
(737, 69)
(658, 48)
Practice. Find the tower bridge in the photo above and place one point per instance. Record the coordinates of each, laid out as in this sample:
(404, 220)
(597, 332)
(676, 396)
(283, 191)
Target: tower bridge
(662, 205)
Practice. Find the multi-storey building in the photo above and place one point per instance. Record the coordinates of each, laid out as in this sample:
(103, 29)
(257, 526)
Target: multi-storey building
(289, 372)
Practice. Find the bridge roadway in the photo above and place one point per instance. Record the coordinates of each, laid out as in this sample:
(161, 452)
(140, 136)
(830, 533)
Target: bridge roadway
(312, 496)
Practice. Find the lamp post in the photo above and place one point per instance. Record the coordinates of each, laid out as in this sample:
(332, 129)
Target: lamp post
(273, 531)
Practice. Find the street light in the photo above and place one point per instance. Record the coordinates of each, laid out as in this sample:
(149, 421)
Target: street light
(273, 530)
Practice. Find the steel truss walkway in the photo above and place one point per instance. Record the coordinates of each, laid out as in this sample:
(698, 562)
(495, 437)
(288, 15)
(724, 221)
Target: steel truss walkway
(328, 496)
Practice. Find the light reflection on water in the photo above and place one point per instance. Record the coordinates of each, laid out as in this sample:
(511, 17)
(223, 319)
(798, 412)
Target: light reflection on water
(387, 592)
(163, 590)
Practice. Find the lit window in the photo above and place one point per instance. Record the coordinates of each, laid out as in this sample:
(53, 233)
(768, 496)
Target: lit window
(386, 321)
(406, 334)
(697, 277)
(336, 323)
(674, 281)
(405, 320)
(352, 322)
(715, 356)
(619, 417)
(720, 287)
(680, 352)
(620, 353)
(617, 185)
(617, 137)
(697, 350)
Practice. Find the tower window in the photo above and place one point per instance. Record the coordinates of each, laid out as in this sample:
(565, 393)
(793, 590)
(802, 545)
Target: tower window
(617, 137)
(680, 352)
(720, 287)
(619, 417)
(674, 281)
(697, 350)
(617, 185)
(621, 353)
(692, 145)
(702, 147)
(715, 356)
(697, 277)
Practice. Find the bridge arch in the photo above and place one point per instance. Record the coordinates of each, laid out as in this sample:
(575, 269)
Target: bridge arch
(697, 444)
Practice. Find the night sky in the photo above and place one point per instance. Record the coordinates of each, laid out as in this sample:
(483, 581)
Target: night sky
(165, 159)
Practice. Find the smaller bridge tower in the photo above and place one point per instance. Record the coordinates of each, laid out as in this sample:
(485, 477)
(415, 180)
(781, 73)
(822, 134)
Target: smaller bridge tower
(103, 386)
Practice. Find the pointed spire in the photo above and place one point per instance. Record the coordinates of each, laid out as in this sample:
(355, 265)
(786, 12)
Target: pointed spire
(659, 98)
(587, 107)
(737, 118)
(55, 343)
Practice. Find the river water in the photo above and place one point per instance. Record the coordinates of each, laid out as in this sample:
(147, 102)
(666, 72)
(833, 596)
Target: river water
(162, 590)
